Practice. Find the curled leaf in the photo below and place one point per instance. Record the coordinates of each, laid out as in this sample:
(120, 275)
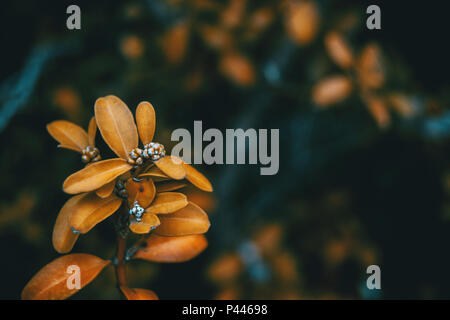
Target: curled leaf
(197, 179)
(155, 173)
(166, 186)
(90, 210)
(143, 192)
(172, 249)
(149, 222)
(95, 175)
(92, 130)
(167, 202)
(116, 125)
(68, 134)
(63, 238)
(106, 190)
(138, 294)
(172, 166)
(189, 220)
(51, 282)
(146, 121)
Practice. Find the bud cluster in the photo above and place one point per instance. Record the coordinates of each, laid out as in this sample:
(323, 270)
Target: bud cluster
(152, 151)
(90, 154)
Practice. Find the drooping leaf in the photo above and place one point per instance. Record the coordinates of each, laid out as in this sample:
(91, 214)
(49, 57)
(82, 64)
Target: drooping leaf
(90, 210)
(68, 134)
(172, 249)
(166, 186)
(189, 220)
(63, 238)
(138, 294)
(95, 175)
(172, 166)
(146, 121)
(92, 131)
(116, 125)
(155, 173)
(149, 221)
(143, 192)
(197, 179)
(106, 190)
(51, 282)
(167, 202)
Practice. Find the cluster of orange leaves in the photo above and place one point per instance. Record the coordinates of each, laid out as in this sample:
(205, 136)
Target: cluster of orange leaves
(171, 227)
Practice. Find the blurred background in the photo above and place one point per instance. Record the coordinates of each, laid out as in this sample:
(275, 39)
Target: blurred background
(364, 139)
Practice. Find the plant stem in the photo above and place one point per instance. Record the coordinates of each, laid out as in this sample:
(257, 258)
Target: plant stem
(121, 279)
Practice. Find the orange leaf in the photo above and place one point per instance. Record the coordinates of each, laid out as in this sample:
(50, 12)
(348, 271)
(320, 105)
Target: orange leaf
(116, 125)
(149, 221)
(68, 134)
(138, 294)
(166, 186)
(146, 121)
(92, 131)
(172, 166)
(189, 220)
(143, 192)
(51, 282)
(155, 173)
(63, 238)
(95, 175)
(167, 202)
(106, 190)
(172, 249)
(331, 90)
(197, 179)
(90, 210)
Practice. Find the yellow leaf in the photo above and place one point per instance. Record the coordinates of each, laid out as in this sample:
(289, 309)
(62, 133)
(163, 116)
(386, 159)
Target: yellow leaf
(166, 186)
(92, 131)
(50, 283)
(63, 238)
(143, 192)
(189, 220)
(90, 210)
(138, 294)
(68, 134)
(167, 202)
(106, 190)
(172, 249)
(197, 179)
(116, 125)
(149, 221)
(146, 121)
(172, 166)
(95, 175)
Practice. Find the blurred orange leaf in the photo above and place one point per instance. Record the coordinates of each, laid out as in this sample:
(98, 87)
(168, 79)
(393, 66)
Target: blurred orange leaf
(172, 249)
(138, 294)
